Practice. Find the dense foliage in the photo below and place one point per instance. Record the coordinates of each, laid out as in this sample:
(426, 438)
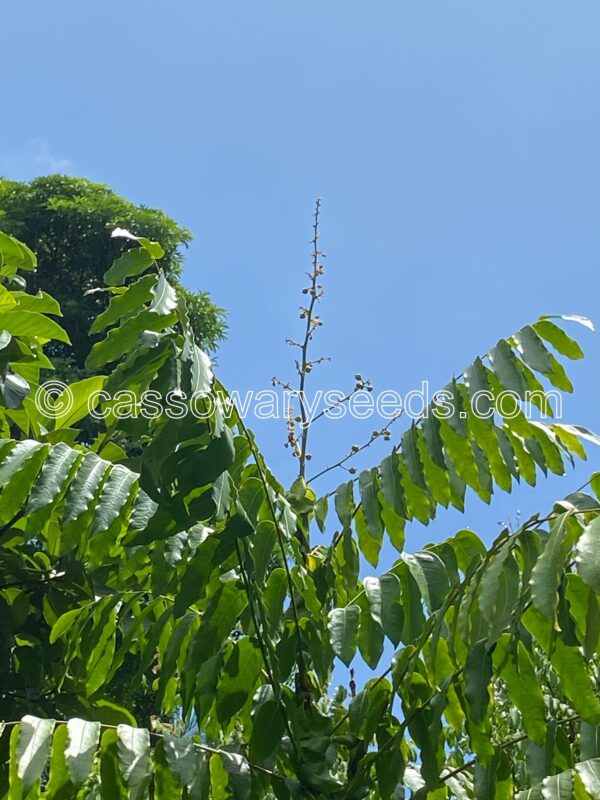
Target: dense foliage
(67, 222)
(190, 570)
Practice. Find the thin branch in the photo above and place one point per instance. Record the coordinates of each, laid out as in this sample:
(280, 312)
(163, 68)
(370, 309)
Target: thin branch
(44, 579)
(361, 385)
(312, 322)
(280, 538)
(257, 628)
(504, 746)
(356, 449)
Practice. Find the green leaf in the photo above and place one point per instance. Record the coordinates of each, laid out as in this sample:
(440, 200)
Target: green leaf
(16, 458)
(558, 787)
(59, 784)
(166, 786)
(133, 262)
(53, 477)
(81, 748)
(181, 755)
(344, 503)
(125, 338)
(164, 297)
(370, 635)
(238, 679)
(558, 338)
(7, 299)
(64, 623)
(588, 555)
(126, 302)
(274, 597)
(391, 485)
(499, 591)
(153, 248)
(134, 754)
(199, 789)
(368, 484)
(366, 708)
(545, 576)
(478, 674)
(533, 351)
(383, 595)
(369, 546)
(504, 365)
(33, 749)
(411, 457)
(219, 778)
(494, 781)
(268, 724)
(99, 646)
(429, 572)
(321, 510)
(589, 772)
(575, 681)
(112, 785)
(114, 496)
(41, 302)
(343, 632)
(32, 324)
(14, 388)
(238, 770)
(263, 545)
(202, 374)
(78, 400)
(84, 487)
(518, 672)
(15, 255)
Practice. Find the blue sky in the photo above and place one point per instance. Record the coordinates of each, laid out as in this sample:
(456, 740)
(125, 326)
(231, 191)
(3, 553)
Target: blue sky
(455, 146)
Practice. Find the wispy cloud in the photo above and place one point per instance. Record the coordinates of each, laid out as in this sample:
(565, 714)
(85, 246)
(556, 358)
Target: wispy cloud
(34, 157)
(45, 158)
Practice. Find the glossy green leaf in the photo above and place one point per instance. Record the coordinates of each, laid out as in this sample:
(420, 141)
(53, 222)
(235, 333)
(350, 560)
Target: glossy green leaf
(84, 487)
(343, 632)
(32, 324)
(268, 724)
(81, 747)
(134, 754)
(545, 576)
(78, 400)
(33, 749)
(132, 263)
(588, 555)
(126, 337)
(164, 297)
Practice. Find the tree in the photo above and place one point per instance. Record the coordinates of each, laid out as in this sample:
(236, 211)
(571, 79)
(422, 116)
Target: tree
(66, 221)
(191, 568)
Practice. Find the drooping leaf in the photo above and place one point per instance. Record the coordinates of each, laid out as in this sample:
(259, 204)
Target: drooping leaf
(268, 724)
(83, 737)
(33, 749)
(588, 555)
(343, 632)
(134, 754)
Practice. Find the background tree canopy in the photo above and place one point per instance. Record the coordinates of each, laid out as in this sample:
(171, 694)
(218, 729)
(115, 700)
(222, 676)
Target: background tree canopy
(67, 221)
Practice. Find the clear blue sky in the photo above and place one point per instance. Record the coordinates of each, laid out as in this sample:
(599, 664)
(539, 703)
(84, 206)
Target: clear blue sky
(456, 146)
